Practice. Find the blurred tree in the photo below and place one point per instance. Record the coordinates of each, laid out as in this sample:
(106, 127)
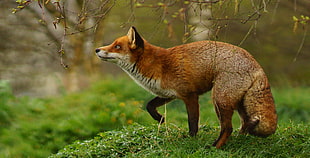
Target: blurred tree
(74, 22)
(77, 26)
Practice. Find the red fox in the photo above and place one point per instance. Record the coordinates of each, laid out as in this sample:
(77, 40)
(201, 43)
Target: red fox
(186, 71)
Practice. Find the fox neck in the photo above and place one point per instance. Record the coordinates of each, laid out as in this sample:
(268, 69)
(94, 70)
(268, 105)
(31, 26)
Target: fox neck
(146, 73)
(148, 83)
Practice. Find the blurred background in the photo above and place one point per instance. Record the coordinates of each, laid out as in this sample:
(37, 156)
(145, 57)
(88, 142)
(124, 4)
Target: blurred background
(34, 51)
(54, 90)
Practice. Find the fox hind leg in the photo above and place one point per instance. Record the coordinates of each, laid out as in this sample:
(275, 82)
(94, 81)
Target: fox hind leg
(226, 99)
(225, 116)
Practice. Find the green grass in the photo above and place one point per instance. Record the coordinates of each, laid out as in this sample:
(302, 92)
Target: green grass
(293, 104)
(32, 127)
(171, 141)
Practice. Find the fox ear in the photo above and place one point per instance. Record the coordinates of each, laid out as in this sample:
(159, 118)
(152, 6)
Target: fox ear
(135, 40)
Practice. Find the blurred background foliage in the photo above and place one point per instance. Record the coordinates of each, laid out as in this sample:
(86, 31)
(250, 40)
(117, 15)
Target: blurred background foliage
(34, 127)
(54, 90)
(48, 46)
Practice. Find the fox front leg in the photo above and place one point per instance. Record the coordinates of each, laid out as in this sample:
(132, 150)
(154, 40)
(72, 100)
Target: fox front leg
(153, 104)
(192, 107)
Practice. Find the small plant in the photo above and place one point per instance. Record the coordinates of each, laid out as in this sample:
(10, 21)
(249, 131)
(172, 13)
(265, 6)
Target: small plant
(302, 20)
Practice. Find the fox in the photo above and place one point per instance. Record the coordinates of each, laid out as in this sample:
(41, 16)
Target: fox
(236, 81)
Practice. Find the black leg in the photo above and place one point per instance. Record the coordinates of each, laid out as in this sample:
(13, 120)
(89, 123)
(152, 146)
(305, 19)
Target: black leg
(153, 104)
(192, 107)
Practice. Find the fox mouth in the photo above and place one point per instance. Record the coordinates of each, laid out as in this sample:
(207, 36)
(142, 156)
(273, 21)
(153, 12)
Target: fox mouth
(106, 58)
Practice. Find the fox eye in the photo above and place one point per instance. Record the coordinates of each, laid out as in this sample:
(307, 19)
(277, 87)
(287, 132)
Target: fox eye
(117, 47)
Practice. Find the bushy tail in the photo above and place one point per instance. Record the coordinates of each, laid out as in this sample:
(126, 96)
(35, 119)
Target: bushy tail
(260, 109)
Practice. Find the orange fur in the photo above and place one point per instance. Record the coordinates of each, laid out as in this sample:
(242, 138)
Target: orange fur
(184, 72)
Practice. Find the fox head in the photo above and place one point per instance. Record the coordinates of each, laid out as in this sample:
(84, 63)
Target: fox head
(123, 50)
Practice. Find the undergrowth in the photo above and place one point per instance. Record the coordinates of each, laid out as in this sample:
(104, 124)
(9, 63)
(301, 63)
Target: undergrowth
(38, 127)
(171, 141)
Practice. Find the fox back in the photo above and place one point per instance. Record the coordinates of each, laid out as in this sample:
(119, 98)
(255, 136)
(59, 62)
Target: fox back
(186, 71)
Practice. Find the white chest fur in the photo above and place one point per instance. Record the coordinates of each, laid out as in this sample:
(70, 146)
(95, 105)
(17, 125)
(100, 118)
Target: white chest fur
(150, 84)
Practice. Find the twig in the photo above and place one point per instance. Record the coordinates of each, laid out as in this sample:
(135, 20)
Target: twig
(62, 51)
(247, 34)
(301, 44)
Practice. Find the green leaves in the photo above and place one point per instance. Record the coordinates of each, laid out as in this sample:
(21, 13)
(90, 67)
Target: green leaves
(303, 20)
(21, 5)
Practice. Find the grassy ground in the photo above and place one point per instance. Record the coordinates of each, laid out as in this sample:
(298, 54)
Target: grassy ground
(171, 141)
(33, 127)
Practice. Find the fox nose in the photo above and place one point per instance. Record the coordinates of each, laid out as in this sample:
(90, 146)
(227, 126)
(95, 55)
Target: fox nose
(97, 50)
